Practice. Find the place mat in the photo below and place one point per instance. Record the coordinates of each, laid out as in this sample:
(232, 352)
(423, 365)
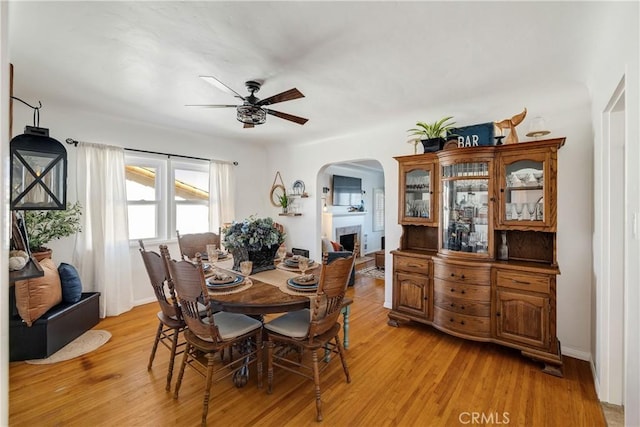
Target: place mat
(282, 266)
(246, 285)
(307, 289)
(279, 278)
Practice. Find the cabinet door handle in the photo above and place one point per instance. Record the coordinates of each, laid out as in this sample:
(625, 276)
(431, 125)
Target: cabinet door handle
(462, 292)
(462, 307)
(498, 314)
(453, 290)
(462, 277)
(520, 282)
(413, 265)
(453, 275)
(462, 322)
(453, 305)
(451, 320)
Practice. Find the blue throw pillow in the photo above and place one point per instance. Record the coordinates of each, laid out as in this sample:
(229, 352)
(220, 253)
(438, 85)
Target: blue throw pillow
(70, 281)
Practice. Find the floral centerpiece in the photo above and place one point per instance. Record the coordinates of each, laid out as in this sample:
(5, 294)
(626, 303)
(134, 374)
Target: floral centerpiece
(254, 239)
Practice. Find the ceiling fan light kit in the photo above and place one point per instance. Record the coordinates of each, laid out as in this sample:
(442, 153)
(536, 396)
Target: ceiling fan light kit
(252, 112)
(251, 115)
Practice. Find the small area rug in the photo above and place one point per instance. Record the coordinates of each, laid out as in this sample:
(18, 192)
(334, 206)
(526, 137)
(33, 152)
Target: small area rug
(372, 272)
(85, 343)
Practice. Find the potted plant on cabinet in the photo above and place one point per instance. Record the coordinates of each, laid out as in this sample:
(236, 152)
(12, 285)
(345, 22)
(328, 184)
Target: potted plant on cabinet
(45, 226)
(433, 135)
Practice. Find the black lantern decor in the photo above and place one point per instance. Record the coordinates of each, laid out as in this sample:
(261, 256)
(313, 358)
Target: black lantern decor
(38, 171)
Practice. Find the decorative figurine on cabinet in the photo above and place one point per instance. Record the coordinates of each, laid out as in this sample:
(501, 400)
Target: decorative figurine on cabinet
(511, 124)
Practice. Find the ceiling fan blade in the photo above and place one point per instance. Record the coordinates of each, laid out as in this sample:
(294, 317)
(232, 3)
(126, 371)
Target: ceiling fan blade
(290, 117)
(223, 87)
(248, 125)
(281, 97)
(210, 105)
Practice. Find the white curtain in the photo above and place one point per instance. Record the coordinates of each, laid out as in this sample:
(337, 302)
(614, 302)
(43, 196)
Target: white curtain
(222, 194)
(102, 249)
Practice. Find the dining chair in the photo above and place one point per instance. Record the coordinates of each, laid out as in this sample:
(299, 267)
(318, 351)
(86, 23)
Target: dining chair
(208, 335)
(191, 244)
(171, 324)
(312, 329)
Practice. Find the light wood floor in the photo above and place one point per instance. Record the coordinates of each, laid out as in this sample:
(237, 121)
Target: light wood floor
(408, 376)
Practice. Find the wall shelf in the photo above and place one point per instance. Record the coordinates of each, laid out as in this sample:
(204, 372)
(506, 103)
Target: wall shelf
(289, 214)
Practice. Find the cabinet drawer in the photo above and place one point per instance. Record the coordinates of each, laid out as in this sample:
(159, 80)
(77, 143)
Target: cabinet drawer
(450, 272)
(462, 305)
(473, 325)
(526, 282)
(411, 264)
(479, 293)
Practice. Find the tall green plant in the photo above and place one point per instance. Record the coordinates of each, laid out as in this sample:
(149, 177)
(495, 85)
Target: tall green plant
(437, 129)
(45, 226)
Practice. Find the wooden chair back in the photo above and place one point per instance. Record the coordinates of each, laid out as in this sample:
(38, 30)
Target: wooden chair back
(191, 244)
(188, 280)
(157, 273)
(334, 279)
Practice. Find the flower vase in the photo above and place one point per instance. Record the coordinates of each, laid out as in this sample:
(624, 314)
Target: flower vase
(263, 259)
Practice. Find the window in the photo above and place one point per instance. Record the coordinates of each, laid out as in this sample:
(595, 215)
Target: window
(378, 209)
(166, 194)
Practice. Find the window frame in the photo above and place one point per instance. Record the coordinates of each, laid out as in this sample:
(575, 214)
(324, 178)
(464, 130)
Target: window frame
(166, 205)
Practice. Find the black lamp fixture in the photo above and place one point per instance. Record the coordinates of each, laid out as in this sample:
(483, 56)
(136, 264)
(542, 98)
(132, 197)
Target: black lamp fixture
(38, 173)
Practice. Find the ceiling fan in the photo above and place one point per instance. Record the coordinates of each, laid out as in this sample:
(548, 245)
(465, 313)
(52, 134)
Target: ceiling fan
(253, 110)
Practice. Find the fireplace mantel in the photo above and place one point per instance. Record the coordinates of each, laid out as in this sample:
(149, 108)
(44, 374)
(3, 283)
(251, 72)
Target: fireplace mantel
(357, 213)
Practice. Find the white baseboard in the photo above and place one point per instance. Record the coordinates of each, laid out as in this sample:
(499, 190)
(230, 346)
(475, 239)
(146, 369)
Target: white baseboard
(144, 301)
(577, 354)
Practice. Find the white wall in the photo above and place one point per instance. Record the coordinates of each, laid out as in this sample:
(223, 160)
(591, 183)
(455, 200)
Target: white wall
(64, 122)
(616, 57)
(567, 113)
(4, 216)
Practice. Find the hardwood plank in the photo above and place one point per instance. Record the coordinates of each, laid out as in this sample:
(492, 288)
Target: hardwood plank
(412, 375)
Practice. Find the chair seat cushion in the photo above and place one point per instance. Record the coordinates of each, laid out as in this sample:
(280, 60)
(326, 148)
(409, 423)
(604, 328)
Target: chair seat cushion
(294, 324)
(232, 325)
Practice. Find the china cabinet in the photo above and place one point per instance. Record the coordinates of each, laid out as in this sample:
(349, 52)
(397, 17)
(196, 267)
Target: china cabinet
(416, 204)
(480, 261)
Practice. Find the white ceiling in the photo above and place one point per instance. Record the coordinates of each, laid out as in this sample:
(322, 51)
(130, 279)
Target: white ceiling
(357, 63)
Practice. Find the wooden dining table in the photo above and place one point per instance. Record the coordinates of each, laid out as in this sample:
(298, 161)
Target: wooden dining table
(261, 298)
(264, 298)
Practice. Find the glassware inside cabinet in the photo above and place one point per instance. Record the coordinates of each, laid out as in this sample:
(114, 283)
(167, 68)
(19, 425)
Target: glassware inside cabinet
(524, 193)
(465, 201)
(418, 194)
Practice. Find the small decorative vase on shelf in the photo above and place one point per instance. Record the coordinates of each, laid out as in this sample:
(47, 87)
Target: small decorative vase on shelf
(503, 249)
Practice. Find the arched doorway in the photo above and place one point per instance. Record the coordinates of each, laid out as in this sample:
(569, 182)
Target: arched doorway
(352, 205)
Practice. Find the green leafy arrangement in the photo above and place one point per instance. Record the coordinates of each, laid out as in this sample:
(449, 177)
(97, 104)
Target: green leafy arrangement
(45, 226)
(283, 200)
(433, 130)
(252, 234)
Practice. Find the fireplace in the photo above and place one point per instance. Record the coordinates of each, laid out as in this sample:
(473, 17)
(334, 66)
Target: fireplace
(348, 236)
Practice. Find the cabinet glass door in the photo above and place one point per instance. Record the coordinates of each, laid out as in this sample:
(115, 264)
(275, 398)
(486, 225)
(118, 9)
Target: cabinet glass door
(524, 191)
(417, 195)
(465, 208)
